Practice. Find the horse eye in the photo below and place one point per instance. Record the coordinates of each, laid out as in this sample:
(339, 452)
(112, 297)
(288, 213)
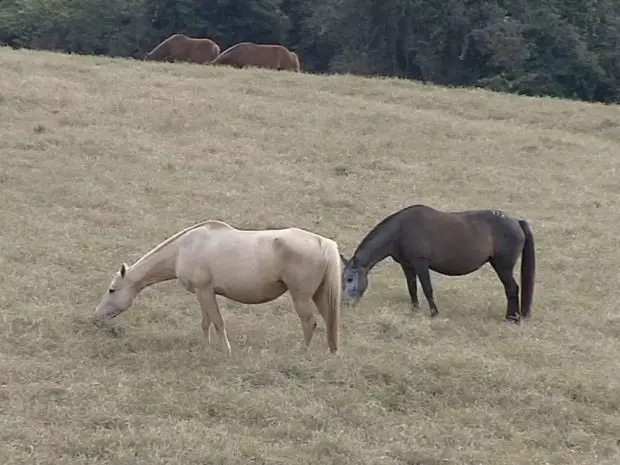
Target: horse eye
(349, 279)
(111, 290)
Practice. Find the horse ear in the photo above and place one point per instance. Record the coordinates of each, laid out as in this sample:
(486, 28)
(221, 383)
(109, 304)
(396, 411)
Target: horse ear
(344, 260)
(123, 270)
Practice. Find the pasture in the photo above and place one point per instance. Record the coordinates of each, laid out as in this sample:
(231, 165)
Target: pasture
(102, 159)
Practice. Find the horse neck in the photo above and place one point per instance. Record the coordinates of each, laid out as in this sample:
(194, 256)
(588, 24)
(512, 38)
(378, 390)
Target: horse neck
(377, 245)
(156, 266)
(160, 50)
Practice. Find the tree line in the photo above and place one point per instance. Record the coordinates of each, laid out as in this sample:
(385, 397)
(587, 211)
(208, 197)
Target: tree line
(560, 48)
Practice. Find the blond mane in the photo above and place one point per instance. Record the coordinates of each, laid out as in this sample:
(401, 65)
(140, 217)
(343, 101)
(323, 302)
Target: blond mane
(176, 236)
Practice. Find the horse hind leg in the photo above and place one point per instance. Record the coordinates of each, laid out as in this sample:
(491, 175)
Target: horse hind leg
(305, 308)
(206, 327)
(211, 314)
(504, 270)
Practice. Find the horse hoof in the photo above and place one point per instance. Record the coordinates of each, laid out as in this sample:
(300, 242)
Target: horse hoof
(513, 319)
(434, 313)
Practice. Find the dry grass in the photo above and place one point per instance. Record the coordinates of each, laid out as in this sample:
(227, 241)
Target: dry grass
(102, 159)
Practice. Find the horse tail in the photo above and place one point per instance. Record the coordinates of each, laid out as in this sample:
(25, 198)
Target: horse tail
(203, 50)
(294, 61)
(330, 292)
(215, 51)
(528, 269)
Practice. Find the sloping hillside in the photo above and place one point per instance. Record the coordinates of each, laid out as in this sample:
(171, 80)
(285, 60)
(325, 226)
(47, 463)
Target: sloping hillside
(102, 159)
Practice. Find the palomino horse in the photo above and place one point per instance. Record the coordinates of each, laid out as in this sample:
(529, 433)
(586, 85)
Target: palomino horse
(259, 55)
(420, 238)
(180, 47)
(212, 258)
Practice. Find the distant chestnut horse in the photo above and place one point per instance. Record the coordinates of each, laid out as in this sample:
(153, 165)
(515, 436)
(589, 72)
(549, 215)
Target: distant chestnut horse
(259, 55)
(179, 47)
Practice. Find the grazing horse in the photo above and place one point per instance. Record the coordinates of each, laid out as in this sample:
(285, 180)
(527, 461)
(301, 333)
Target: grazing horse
(249, 266)
(180, 47)
(420, 238)
(259, 55)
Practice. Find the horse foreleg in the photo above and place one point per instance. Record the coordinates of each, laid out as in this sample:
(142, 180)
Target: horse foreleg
(410, 276)
(305, 308)
(211, 314)
(421, 269)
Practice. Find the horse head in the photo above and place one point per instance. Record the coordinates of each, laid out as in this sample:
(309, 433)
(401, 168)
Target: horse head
(354, 279)
(117, 298)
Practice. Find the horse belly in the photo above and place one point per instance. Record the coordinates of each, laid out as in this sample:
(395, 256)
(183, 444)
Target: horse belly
(252, 277)
(458, 267)
(460, 248)
(242, 266)
(456, 270)
(250, 290)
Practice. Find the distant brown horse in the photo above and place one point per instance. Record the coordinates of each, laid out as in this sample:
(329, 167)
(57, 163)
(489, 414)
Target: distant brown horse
(259, 55)
(179, 47)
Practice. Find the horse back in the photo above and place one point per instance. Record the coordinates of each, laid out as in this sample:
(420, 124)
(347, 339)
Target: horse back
(233, 55)
(492, 232)
(297, 244)
(266, 55)
(216, 249)
(454, 243)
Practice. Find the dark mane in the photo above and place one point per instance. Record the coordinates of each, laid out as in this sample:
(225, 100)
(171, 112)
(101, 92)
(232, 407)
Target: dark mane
(378, 228)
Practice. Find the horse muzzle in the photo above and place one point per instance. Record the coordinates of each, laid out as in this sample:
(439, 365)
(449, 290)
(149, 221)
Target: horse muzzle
(100, 315)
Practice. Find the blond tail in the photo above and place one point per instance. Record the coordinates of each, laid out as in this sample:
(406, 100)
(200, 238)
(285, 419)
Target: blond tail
(330, 292)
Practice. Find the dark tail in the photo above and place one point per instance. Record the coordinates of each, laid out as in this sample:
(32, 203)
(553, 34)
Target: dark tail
(528, 270)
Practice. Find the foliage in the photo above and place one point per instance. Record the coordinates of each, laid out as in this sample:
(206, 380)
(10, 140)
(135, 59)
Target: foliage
(543, 47)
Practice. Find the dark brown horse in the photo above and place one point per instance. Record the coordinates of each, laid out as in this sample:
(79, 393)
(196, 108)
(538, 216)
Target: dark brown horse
(259, 55)
(179, 47)
(420, 238)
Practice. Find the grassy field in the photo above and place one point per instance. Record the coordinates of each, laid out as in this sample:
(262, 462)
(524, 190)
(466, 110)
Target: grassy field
(102, 159)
